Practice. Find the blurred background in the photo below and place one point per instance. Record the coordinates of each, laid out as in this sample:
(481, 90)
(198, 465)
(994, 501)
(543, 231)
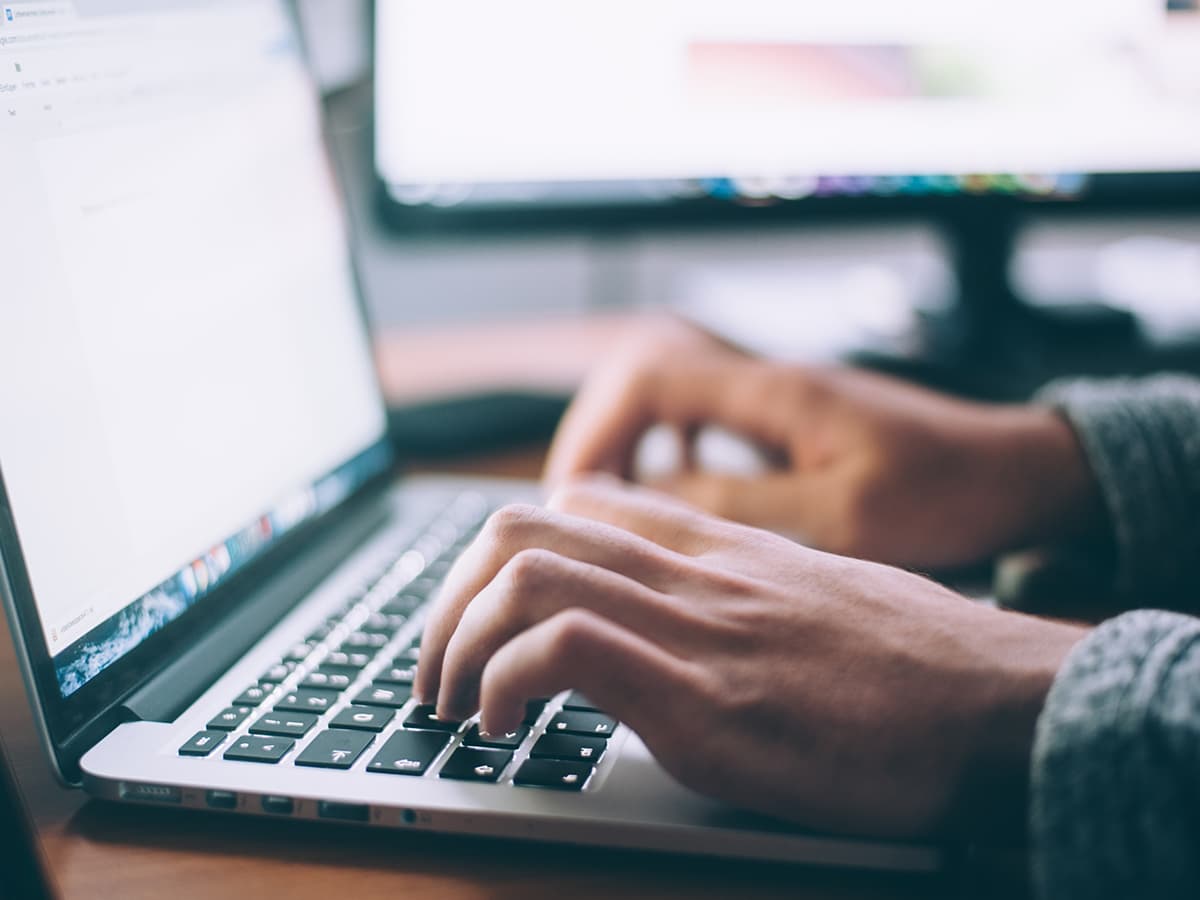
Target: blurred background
(979, 195)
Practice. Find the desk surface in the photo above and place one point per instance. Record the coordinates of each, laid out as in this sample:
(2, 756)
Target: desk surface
(98, 850)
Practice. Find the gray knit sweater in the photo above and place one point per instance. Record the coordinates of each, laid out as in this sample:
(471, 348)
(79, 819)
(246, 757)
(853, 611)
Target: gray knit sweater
(1115, 804)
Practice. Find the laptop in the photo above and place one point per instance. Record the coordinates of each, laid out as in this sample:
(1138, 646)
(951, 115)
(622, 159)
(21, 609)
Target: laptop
(215, 578)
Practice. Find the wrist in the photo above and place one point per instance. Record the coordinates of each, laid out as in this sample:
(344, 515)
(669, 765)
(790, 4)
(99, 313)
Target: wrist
(1038, 464)
(1018, 668)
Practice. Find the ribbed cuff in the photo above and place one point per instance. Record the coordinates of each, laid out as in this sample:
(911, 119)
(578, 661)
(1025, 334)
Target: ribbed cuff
(1116, 764)
(1142, 441)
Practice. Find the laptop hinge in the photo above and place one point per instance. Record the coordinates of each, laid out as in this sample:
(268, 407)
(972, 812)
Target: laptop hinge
(177, 686)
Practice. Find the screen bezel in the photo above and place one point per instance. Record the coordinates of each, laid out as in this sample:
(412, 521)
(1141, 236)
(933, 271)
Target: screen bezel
(1104, 194)
(69, 725)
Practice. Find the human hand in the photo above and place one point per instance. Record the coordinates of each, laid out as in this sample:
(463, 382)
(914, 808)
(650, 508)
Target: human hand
(867, 465)
(840, 694)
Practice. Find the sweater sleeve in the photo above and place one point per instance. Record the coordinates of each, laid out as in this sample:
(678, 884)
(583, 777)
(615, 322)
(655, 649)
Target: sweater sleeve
(1142, 440)
(1116, 764)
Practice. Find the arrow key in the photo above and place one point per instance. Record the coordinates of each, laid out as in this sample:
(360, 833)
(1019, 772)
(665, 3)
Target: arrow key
(334, 749)
(475, 764)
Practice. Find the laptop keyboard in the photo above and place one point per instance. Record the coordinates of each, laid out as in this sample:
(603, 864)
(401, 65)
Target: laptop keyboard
(344, 694)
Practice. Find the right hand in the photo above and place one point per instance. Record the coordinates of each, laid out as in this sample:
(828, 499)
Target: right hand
(868, 466)
(836, 693)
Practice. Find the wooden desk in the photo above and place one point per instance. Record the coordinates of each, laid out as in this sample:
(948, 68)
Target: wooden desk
(98, 850)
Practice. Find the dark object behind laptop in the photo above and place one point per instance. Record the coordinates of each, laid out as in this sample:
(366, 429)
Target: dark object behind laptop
(22, 872)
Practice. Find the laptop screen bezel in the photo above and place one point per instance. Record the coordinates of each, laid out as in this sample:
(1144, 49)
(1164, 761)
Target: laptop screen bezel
(70, 724)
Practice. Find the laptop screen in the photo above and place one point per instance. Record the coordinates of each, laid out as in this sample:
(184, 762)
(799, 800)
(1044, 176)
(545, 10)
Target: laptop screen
(185, 375)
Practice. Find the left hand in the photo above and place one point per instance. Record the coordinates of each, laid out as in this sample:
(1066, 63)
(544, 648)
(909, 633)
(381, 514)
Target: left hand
(840, 694)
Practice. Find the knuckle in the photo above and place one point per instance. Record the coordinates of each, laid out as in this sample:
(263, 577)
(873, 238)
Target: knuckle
(569, 634)
(510, 523)
(529, 570)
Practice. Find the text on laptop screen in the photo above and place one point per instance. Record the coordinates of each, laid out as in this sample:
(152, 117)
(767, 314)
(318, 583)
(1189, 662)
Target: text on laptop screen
(184, 374)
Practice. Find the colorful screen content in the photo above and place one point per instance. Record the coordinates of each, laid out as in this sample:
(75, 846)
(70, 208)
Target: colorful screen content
(185, 375)
(541, 102)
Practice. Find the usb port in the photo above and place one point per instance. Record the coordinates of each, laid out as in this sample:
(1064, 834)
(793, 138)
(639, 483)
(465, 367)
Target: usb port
(280, 806)
(348, 812)
(222, 799)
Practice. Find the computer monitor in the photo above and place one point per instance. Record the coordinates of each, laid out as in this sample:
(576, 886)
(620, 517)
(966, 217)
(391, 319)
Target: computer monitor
(686, 108)
(973, 113)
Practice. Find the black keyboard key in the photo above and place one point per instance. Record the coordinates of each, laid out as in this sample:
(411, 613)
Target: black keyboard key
(569, 746)
(307, 700)
(401, 673)
(300, 652)
(425, 717)
(202, 743)
(382, 623)
(408, 752)
(278, 672)
(510, 741)
(576, 700)
(329, 668)
(252, 748)
(363, 718)
(422, 588)
(474, 764)
(393, 696)
(321, 632)
(364, 641)
(229, 719)
(284, 724)
(402, 605)
(333, 681)
(334, 749)
(570, 721)
(348, 660)
(553, 773)
(533, 709)
(410, 656)
(254, 695)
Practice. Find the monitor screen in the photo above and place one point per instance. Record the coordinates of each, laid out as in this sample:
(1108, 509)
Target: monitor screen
(185, 376)
(543, 102)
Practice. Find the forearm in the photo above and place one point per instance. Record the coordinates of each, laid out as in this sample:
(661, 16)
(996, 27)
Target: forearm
(1116, 764)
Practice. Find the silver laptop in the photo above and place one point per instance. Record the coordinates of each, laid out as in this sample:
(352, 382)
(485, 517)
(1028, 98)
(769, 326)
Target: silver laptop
(215, 580)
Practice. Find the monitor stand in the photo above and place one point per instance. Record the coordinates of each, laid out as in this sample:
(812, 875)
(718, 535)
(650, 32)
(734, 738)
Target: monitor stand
(993, 343)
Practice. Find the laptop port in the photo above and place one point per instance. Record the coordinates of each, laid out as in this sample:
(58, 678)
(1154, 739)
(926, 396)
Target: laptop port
(347, 812)
(280, 806)
(151, 793)
(221, 799)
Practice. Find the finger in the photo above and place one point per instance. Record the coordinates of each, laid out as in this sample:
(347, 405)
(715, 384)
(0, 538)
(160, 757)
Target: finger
(763, 501)
(626, 675)
(665, 520)
(516, 528)
(601, 428)
(533, 587)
